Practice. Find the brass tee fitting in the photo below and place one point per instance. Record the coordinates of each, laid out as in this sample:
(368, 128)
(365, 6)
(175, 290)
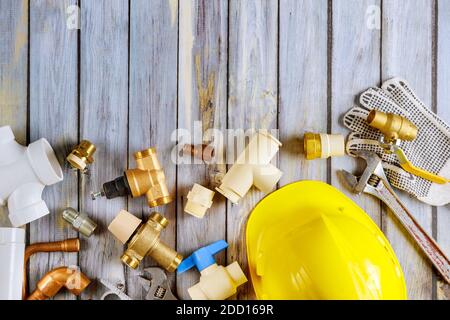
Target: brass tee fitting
(147, 179)
(82, 155)
(143, 239)
(392, 126)
(72, 279)
(69, 245)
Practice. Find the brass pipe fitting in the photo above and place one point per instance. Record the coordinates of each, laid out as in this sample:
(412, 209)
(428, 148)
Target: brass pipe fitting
(82, 155)
(322, 145)
(203, 152)
(79, 221)
(392, 126)
(73, 280)
(143, 239)
(69, 245)
(147, 179)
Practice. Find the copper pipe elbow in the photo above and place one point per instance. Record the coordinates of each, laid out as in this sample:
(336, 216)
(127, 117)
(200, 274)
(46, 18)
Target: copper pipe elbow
(69, 245)
(72, 279)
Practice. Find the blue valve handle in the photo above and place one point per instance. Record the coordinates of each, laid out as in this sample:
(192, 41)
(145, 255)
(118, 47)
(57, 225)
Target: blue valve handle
(203, 257)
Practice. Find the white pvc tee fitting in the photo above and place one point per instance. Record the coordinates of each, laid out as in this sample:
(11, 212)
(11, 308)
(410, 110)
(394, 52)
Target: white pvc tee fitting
(199, 199)
(252, 167)
(12, 251)
(24, 172)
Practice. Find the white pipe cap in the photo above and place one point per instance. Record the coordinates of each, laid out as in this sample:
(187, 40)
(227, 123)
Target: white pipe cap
(124, 225)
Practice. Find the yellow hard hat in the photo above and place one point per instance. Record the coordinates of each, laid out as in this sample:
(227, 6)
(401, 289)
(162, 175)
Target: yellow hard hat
(309, 241)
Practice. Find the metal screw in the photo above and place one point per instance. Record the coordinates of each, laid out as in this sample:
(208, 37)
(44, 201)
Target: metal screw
(98, 194)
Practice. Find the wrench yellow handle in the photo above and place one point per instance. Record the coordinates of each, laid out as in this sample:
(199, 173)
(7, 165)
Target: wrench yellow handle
(409, 167)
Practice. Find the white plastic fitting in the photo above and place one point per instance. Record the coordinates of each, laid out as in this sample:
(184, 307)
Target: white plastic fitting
(199, 199)
(218, 282)
(12, 251)
(24, 172)
(252, 167)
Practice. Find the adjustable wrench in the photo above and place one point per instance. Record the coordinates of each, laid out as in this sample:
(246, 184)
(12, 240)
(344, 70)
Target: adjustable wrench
(157, 286)
(373, 181)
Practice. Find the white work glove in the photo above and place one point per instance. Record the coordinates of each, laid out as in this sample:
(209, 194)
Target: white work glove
(429, 151)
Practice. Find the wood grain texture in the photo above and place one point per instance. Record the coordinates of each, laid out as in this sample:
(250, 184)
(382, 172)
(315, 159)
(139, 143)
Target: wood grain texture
(202, 105)
(443, 110)
(153, 106)
(13, 73)
(104, 114)
(407, 52)
(54, 115)
(252, 101)
(303, 85)
(355, 67)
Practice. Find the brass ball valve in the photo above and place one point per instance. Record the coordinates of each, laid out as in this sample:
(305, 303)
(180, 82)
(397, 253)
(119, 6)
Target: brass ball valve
(147, 179)
(143, 239)
(216, 282)
(392, 126)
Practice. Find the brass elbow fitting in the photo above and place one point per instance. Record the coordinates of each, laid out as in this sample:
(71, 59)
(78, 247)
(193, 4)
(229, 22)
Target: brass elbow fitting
(147, 179)
(392, 126)
(69, 245)
(82, 155)
(143, 239)
(72, 279)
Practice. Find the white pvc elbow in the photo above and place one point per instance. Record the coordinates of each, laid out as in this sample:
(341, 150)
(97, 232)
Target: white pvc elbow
(24, 172)
(252, 168)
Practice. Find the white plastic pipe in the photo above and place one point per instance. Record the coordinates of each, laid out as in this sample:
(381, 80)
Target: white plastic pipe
(24, 172)
(12, 250)
(252, 167)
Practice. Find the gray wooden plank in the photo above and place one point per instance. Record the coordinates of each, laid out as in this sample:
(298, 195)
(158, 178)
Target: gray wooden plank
(407, 52)
(303, 85)
(443, 110)
(355, 67)
(153, 104)
(202, 100)
(53, 115)
(104, 113)
(13, 72)
(252, 100)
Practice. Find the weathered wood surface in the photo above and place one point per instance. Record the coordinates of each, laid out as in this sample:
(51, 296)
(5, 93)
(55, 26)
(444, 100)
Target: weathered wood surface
(407, 41)
(132, 75)
(441, 222)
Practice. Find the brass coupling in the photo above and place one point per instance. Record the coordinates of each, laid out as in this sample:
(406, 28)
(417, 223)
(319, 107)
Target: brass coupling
(322, 145)
(70, 278)
(79, 221)
(82, 155)
(392, 126)
(143, 239)
(147, 179)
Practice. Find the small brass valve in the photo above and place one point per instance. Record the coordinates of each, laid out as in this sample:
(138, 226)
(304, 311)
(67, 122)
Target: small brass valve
(392, 126)
(147, 179)
(143, 239)
(395, 128)
(82, 155)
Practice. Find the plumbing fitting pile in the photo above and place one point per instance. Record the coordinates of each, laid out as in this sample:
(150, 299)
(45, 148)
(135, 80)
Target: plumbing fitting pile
(25, 171)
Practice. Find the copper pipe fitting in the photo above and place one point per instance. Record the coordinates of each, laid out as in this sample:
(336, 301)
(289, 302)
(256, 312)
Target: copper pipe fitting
(203, 152)
(69, 245)
(143, 239)
(73, 280)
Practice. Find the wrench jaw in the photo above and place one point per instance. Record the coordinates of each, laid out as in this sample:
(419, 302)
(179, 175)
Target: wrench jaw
(350, 180)
(156, 284)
